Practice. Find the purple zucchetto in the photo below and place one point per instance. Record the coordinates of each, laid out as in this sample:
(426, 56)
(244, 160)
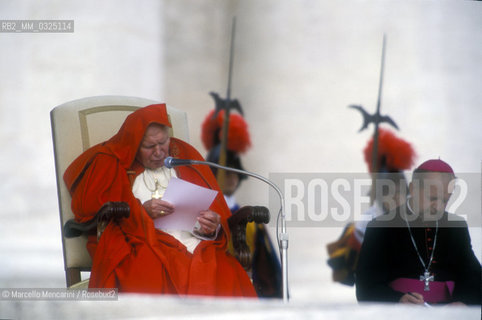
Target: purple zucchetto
(435, 165)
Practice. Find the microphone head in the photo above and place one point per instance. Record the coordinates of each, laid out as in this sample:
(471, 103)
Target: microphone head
(168, 162)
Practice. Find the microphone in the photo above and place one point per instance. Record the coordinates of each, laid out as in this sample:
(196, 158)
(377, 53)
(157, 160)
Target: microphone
(282, 236)
(170, 162)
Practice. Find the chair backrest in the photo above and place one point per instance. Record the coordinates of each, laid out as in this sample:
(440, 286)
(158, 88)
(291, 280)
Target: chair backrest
(78, 125)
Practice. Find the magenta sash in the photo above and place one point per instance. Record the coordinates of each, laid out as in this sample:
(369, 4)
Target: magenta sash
(440, 292)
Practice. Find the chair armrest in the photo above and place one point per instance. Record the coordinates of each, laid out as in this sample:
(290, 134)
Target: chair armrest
(110, 211)
(237, 224)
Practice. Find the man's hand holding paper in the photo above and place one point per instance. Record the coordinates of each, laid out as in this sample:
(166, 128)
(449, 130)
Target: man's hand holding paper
(157, 208)
(208, 222)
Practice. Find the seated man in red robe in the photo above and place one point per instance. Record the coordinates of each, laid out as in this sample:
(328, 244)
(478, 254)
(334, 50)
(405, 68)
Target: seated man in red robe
(132, 255)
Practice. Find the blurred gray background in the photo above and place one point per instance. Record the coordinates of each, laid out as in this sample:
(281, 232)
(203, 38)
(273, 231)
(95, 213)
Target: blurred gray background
(298, 65)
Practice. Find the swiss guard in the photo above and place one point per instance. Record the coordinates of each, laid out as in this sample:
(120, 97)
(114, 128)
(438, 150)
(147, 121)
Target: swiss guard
(394, 156)
(265, 270)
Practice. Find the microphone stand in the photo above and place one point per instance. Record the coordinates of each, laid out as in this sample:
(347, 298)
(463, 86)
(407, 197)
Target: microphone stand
(282, 237)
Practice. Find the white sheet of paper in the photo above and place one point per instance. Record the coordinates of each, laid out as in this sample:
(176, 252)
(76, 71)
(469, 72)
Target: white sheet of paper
(188, 200)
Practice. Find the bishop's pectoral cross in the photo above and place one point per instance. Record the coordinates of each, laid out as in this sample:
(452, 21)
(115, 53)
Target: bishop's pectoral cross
(426, 278)
(157, 192)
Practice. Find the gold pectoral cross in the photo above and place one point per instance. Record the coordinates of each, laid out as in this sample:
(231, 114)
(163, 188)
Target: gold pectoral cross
(426, 278)
(157, 192)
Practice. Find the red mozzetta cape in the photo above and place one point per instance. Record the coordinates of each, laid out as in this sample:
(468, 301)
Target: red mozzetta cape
(133, 255)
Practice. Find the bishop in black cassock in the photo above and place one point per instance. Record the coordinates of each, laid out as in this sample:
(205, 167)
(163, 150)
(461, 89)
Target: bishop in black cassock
(418, 252)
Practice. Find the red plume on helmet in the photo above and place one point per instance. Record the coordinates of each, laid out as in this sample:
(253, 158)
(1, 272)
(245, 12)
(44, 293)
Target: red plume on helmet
(394, 153)
(238, 135)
